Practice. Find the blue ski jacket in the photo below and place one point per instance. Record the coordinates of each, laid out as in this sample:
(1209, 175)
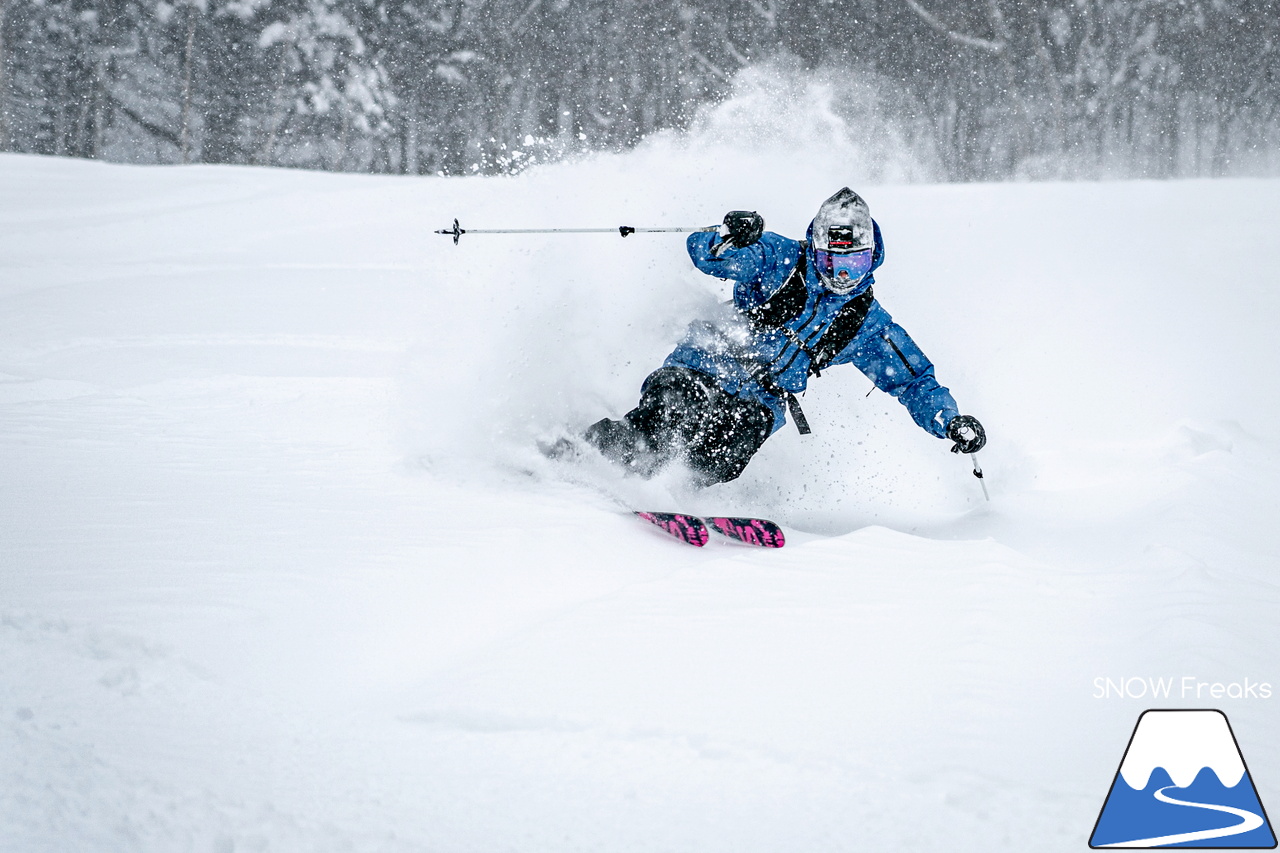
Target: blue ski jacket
(762, 361)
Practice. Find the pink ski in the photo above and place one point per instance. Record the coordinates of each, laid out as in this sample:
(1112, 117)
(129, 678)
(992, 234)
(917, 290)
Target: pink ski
(752, 531)
(693, 530)
(686, 528)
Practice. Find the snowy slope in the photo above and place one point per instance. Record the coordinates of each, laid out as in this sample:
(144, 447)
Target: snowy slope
(281, 568)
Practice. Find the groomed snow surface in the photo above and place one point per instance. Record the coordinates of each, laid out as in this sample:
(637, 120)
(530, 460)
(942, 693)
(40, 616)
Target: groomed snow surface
(281, 567)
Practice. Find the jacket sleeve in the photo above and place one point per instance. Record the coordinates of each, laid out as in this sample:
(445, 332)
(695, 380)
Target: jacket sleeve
(891, 359)
(743, 264)
(758, 270)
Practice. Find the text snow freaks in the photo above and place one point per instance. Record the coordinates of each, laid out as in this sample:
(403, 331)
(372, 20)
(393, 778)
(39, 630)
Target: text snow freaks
(1185, 687)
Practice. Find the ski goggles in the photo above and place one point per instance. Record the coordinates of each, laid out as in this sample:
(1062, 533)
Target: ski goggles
(843, 266)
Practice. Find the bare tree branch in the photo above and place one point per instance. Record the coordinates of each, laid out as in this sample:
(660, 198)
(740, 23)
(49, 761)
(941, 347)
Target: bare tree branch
(149, 126)
(710, 66)
(960, 38)
(738, 56)
(768, 12)
(524, 16)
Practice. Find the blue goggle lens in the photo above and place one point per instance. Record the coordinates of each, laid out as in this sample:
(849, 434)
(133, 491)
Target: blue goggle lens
(848, 266)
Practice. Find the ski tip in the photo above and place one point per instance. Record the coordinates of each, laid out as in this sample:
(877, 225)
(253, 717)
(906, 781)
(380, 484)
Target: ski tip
(751, 531)
(687, 528)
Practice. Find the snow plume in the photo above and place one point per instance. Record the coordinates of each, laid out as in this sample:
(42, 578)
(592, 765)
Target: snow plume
(541, 336)
(533, 333)
(851, 123)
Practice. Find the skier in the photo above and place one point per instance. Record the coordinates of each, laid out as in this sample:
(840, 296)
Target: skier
(798, 308)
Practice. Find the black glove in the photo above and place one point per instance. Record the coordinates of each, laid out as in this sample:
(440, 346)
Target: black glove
(743, 227)
(967, 433)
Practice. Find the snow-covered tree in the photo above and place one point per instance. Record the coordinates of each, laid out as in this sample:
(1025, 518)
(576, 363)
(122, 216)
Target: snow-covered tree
(985, 90)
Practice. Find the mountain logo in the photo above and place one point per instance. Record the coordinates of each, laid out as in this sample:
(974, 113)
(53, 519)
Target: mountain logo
(1183, 783)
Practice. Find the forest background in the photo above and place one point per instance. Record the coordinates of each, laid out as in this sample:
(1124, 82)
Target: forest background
(985, 90)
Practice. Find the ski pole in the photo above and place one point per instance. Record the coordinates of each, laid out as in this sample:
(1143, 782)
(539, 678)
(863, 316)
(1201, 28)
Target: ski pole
(457, 230)
(977, 472)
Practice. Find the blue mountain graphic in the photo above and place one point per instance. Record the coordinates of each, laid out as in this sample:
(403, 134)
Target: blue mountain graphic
(1130, 814)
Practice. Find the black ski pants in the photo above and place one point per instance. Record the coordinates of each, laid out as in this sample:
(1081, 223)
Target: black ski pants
(683, 414)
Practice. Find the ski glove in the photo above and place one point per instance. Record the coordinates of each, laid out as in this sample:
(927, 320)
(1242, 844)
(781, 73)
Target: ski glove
(743, 227)
(967, 433)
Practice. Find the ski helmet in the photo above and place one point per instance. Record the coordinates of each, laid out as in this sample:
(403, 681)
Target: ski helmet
(842, 239)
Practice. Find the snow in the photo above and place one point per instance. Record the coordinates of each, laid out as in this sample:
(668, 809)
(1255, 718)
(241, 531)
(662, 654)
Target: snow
(1183, 743)
(283, 569)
